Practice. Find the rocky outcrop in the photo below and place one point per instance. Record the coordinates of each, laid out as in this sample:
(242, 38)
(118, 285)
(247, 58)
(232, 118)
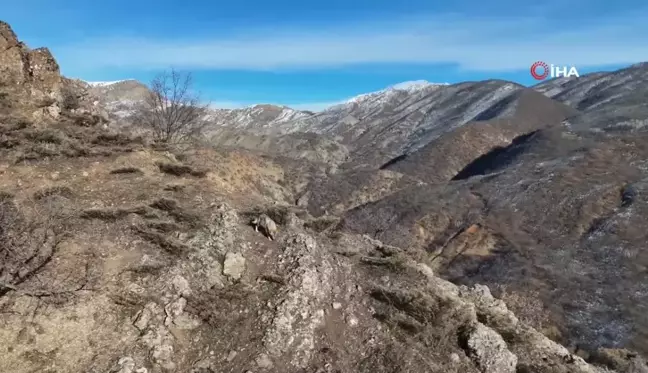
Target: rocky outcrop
(32, 75)
(34, 86)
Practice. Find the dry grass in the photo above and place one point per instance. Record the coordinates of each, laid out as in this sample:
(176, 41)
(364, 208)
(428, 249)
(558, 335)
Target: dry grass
(116, 214)
(112, 139)
(163, 226)
(30, 235)
(126, 170)
(322, 224)
(59, 190)
(179, 214)
(24, 141)
(168, 243)
(180, 170)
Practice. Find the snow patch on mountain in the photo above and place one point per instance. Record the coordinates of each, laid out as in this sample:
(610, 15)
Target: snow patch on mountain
(104, 84)
(415, 85)
(260, 116)
(382, 95)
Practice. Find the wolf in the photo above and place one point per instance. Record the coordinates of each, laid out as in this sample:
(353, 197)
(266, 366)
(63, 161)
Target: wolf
(267, 225)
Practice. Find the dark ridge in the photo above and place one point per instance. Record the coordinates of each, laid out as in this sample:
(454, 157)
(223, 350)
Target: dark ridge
(393, 161)
(498, 158)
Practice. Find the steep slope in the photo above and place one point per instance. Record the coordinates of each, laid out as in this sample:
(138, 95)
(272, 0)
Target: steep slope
(375, 127)
(443, 158)
(381, 126)
(553, 216)
(610, 101)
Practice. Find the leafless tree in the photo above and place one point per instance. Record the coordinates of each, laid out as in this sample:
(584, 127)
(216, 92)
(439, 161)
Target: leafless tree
(172, 110)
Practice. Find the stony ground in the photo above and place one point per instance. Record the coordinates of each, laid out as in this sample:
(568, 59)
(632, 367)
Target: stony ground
(140, 259)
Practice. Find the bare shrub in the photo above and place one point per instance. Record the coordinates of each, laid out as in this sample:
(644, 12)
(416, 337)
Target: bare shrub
(166, 242)
(29, 238)
(180, 170)
(173, 208)
(172, 111)
(59, 190)
(48, 135)
(112, 139)
(126, 170)
(70, 100)
(107, 214)
(322, 224)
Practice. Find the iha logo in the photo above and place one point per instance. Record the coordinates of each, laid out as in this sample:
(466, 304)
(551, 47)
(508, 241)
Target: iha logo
(541, 70)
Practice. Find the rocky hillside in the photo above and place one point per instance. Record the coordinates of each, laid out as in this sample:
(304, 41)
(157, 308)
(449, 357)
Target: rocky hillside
(544, 209)
(520, 252)
(614, 101)
(448, 156)
(119, 97)
(297, 145)
(262, 119)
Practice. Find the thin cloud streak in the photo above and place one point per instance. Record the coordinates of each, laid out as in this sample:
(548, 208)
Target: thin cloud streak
(485, 44)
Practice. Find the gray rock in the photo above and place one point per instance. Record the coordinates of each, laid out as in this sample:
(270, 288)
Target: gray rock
(263, 361)
(181, 285)
(125, 365)
(186, 321)
(489, 351)
(234, 265)
(297, 317)
(174, 309)
(149, 313)
(231, 356)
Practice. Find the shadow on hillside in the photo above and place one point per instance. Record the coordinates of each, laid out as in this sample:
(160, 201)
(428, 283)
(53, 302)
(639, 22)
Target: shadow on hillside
(496, 159)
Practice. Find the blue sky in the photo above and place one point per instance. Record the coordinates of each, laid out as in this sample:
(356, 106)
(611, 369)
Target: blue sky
(309, 54)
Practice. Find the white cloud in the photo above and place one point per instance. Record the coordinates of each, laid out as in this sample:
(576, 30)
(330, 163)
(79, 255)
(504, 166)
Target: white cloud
(478, 44)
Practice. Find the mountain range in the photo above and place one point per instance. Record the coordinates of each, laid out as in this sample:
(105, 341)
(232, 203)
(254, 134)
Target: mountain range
(477, 227)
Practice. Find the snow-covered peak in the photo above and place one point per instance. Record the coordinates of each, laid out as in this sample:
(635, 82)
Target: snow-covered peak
(104, 84)
(414, 85)
(409, 86)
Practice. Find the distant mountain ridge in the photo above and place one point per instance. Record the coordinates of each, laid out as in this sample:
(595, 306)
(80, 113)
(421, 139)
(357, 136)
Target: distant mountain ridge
(380, 126)
(608, 101)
